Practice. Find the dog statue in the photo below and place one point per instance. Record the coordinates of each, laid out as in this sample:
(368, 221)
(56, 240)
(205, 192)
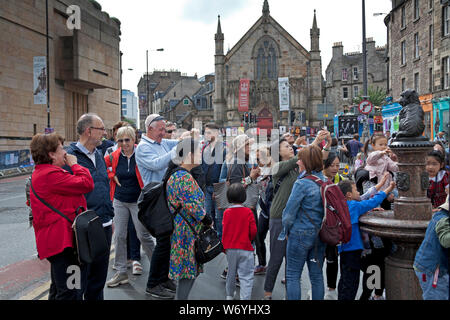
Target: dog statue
(411, 117)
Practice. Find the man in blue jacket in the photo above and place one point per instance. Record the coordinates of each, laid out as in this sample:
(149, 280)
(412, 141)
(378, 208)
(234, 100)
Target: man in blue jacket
(90, 128)
(350, 253)
(213, 157)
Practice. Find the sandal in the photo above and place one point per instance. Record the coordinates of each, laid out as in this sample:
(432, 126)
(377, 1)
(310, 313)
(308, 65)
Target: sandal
(137, 268)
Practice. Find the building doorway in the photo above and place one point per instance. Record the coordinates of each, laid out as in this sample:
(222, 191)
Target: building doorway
(265, 120)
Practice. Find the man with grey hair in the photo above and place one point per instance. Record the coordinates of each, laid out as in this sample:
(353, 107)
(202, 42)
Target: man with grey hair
(153, 155)
(90, 128)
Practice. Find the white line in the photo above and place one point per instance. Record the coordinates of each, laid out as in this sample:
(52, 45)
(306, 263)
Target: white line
(16, 197)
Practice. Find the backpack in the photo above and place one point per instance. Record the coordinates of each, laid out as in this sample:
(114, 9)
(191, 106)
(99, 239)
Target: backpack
(336, 225)
(154, 212)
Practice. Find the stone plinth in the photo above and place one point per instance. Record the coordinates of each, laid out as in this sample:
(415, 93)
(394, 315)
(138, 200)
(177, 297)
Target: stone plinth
(406, 225)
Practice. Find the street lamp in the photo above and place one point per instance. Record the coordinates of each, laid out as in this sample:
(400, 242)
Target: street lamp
(146, 80)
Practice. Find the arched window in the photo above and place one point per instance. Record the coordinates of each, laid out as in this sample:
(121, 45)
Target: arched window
(266, 56)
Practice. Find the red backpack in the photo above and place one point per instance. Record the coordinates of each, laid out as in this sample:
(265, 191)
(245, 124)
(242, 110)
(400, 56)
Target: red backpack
(336, 225)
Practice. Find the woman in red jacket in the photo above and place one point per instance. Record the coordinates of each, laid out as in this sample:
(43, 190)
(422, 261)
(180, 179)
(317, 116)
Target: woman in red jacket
(64, 191)
(125, 184)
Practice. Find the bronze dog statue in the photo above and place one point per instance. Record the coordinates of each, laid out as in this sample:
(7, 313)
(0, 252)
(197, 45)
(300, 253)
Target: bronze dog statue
(411, 117)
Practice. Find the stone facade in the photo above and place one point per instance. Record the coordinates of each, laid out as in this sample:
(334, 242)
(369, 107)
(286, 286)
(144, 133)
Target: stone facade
(428, 70)
(265, 53)
(344, 74)
(84, 69)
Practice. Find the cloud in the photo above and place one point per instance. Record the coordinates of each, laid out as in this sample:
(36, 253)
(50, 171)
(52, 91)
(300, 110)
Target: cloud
(206, 11)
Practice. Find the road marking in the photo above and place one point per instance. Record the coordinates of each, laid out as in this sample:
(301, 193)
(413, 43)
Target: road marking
(34, 295)
(10, 198)
(36, 292)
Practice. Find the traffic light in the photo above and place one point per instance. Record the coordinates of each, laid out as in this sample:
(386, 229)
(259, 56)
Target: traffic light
(246, 117)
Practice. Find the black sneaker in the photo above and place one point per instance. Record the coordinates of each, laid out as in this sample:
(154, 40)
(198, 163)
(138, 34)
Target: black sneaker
(170, 286)
(160, 292)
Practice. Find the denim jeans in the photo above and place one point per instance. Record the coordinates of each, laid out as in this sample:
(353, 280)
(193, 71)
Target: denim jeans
(304, 247)
(428, 291)
(210, 206)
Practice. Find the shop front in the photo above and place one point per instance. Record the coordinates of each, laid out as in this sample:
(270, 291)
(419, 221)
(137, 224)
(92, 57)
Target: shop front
(390, 114)
(427, 106)
(441, 114)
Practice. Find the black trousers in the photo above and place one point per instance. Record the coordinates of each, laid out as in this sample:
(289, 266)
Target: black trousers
(263, 229)
(350, 265)
(375, 258)
(94, 274)
(331, 253)
(59, 276)
(160, 263)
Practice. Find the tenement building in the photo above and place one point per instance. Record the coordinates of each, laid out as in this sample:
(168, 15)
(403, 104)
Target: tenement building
(419, 56)
(344, 74)
(84, 68)
(265, 53)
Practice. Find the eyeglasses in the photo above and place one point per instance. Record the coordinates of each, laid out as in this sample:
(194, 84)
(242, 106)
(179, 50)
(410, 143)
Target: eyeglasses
(101, 129)
(124, 140)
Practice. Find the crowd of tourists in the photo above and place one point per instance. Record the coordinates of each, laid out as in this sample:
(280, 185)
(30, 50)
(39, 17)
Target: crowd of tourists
(273, 213)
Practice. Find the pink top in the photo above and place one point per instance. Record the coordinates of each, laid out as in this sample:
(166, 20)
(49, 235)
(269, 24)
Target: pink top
(377, 164)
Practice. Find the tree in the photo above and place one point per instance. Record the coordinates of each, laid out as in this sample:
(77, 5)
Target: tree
(132, 122)
(376, 95)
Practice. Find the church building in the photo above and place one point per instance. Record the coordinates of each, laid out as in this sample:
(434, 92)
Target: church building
(264, 54)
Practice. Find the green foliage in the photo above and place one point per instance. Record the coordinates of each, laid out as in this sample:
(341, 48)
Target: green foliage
(376, 96)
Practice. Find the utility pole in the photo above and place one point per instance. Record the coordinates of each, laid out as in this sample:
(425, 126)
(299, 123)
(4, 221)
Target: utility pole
(364, 48)
(48, 64)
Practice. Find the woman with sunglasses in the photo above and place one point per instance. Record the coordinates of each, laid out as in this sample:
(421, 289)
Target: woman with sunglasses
(125, 185)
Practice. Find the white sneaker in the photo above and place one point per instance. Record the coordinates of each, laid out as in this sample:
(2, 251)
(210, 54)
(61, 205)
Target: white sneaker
(117, 279)
(309, 295)
(331, 295)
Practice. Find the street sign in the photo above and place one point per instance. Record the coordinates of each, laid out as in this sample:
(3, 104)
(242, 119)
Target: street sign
(365, 107)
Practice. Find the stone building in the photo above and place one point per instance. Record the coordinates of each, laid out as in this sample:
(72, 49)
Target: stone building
(344, 74)
(84, 68)
(156, 84)
(419, 55)
(265, 53)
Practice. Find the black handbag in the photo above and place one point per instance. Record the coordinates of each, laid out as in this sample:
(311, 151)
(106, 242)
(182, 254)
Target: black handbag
(90, 237)
(207, 243)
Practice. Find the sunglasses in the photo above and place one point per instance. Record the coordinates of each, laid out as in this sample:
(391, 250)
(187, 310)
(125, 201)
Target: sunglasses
(124, 140)
(170, 131)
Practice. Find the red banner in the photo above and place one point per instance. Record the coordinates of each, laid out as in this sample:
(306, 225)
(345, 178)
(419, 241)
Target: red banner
(244, 95)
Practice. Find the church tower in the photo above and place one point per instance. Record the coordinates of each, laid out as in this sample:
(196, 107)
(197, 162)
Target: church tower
(219, 92)
(315, 72)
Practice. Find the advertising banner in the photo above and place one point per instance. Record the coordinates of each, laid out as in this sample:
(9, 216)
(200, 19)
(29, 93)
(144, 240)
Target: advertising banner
(244, 95)
(40, 80)
(283, 90)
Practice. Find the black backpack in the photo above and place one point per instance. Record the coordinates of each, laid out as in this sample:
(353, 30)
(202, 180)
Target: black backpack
(153, 211)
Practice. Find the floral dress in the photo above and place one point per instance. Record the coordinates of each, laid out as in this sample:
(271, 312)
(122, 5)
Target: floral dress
(183, 192)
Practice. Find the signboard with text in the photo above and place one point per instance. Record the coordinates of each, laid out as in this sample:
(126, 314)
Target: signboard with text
(244, 95)
(283, 90)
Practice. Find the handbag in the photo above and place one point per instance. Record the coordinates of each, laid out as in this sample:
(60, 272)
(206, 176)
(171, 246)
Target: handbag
(90, 237)
(207, 243)
(221, 188)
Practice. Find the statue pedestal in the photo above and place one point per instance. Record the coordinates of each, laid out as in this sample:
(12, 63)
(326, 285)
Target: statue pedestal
(406, 225)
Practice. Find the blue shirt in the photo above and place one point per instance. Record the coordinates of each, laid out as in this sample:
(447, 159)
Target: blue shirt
(354, 147)
(153, 158)
(357, 209)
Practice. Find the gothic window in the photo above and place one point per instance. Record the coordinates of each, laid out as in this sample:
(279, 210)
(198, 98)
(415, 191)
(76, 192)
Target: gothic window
(266, 59)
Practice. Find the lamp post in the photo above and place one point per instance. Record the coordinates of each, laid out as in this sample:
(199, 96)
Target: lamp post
(146, 81)
(48, 64)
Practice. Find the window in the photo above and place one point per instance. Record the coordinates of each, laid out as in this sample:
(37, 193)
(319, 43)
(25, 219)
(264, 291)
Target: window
(416, 45)
(430, 4)
(344, 93)
(416, 82)
(430, 75)
(403, 84)
(174, 94)
(445, 20)
(416, 9)
(445, 72)
(355, 73)
(403, 17)
(430, 39)
(403, 52)
(344, 74)
(267, 60)
(355, 91)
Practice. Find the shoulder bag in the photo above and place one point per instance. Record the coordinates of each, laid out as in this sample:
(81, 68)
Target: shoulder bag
(90, 238)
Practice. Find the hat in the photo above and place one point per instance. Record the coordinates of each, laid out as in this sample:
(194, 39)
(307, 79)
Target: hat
(445, 205)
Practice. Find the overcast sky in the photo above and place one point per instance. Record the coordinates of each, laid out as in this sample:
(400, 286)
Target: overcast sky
(186, 28)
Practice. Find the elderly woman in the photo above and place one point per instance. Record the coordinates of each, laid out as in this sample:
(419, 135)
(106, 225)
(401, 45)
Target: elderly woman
(125, 185)
(63, 191)
(186, 202)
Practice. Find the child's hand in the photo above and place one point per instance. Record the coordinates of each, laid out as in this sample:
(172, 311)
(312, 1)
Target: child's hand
(385, 177)
(390, 188)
